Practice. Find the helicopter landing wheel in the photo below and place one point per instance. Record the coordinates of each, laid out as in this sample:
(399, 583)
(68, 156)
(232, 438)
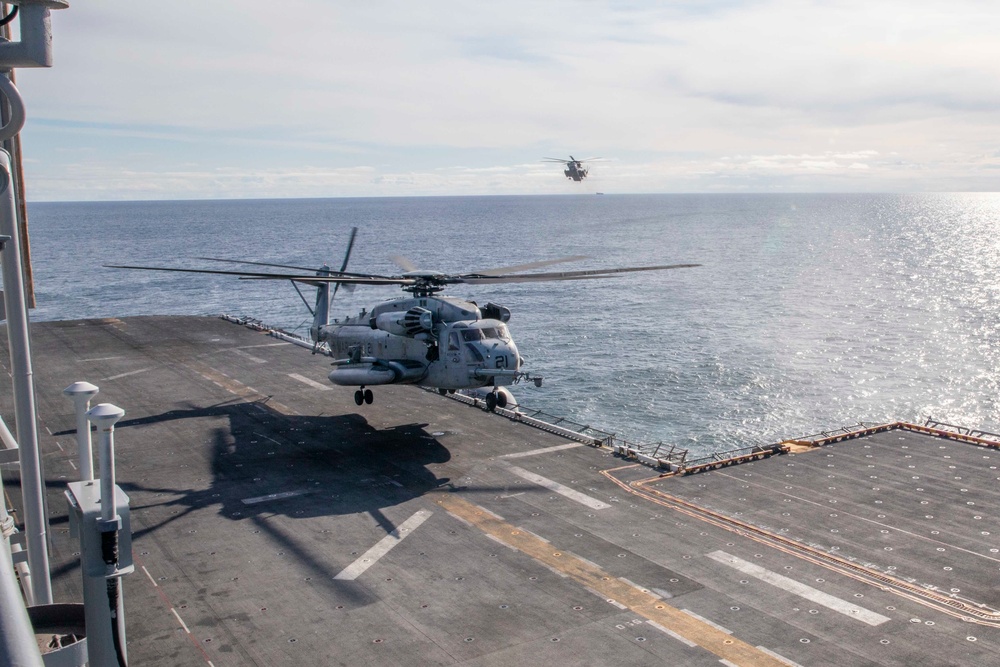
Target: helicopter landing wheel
(491, 401)
(359, 397)
(443, 392)
(369, 396)
(501, 399)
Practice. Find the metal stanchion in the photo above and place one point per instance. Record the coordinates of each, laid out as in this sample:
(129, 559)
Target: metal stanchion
(81, 393)
(99, 516)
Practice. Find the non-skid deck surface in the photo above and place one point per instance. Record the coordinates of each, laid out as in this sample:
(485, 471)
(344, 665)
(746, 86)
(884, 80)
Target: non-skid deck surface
(277, 523)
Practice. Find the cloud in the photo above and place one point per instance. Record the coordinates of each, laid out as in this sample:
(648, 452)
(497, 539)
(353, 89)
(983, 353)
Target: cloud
(414, 90)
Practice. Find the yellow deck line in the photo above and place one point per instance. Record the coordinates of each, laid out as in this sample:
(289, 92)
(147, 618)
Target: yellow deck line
(587, 574)
(236, 387)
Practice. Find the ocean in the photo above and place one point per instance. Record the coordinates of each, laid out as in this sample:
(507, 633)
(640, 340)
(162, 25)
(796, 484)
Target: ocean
(809, 312)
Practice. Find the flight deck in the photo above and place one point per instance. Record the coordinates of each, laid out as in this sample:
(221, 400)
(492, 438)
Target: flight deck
(275, 522)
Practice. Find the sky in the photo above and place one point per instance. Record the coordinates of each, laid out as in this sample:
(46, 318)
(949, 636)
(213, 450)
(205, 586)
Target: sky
(319, 98)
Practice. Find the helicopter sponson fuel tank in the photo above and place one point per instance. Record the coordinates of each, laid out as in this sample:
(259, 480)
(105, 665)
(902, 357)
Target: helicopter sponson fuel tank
(371, 371)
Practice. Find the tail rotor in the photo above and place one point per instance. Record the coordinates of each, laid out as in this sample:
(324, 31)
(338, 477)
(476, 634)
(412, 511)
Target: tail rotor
(324, 296)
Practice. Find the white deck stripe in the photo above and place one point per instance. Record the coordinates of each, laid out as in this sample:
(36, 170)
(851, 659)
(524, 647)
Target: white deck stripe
(370, 557)
(683, 640)
(707, 622)
(778, 656)
(123, 375)
(247, 355)
(844, 607)
(180, 620)
(266, 437)
(561, 489)
(150, 576)
(543, 450)
(272, 496)
(311, 383)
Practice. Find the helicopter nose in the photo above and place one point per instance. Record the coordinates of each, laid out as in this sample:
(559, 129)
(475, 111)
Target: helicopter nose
(513, 358)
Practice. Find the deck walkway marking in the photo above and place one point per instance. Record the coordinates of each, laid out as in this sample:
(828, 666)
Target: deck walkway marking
(561, 489)
(802, 590)
(663, 614)
(370, 557)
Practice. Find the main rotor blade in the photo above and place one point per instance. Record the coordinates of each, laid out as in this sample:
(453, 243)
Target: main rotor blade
(347, 256)
(243, 261)
(573, 275)
(339, 280)
(404, 263)
(526, 278)
(350, 246)
(250, 275)
(526, 267)
(283, 266)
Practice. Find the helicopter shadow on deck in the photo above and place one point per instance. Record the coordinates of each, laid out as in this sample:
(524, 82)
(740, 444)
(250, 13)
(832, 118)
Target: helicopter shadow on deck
(265, 464)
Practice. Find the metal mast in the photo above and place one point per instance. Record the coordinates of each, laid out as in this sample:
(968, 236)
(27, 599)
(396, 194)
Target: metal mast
(33, 50)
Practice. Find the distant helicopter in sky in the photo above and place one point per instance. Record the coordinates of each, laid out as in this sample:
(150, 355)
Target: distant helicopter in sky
(426, 338)
(574, 168)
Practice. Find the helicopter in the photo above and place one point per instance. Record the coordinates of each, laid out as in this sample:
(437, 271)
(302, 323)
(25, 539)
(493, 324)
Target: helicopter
(574, 168)
(425, 338)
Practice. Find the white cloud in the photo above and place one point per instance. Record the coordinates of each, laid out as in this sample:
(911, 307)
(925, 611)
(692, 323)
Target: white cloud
(809, 89)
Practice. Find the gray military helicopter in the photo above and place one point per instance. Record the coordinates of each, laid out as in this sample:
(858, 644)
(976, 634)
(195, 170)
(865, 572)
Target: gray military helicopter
(425, 338)
(574, 168)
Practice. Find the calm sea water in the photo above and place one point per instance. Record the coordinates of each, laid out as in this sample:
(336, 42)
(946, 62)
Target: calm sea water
(810, 311)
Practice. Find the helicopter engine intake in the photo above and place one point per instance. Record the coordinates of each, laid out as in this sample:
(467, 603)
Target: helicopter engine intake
(414, 321)
(494, 311)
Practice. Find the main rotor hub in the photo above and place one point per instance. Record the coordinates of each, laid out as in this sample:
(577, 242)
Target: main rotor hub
(427, 282)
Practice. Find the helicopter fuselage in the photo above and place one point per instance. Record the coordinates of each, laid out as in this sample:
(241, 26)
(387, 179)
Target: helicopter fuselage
(575, 171)
(437, 341)
(427, 338)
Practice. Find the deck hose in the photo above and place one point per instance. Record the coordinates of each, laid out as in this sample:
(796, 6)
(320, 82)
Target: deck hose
(109, 552)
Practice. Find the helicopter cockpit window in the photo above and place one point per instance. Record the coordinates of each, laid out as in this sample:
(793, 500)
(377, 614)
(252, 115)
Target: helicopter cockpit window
(472, 335)
(453, 342)
(496, 332)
